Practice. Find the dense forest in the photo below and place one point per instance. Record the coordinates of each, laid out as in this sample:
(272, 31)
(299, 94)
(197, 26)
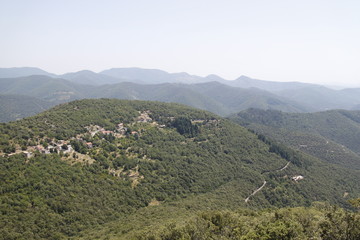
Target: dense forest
(117, 168)
(331, 135)
(14, 107)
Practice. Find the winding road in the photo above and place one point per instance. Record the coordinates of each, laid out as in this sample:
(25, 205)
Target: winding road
(264, 183)
(257, 190)
(283, 168)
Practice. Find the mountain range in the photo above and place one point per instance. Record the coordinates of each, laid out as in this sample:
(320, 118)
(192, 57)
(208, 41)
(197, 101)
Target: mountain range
(213, 96)
(150, 76)
(211, 93)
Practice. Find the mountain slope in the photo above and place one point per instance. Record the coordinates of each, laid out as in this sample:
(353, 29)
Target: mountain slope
(271, 86)
(13, 107)
(311, 96)
(43, 87)
(179, 93)
(237, 99)
(322, 98)
(23, 72)
(150, 76)
(87, 77)
(212, 96)
(331, 135)
(97, 161)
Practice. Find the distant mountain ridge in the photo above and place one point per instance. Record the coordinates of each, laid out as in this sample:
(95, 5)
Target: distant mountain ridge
(211, 93)
(87, 77)
(212, 96)
(322, 98)
(43, 87)
(150, 76)
(271, 86)
(23, 72)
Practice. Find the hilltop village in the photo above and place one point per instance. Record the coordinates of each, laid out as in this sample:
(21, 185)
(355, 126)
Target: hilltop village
(77, 149)
(96, 142)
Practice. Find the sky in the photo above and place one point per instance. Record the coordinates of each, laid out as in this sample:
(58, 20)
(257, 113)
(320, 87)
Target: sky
(316, 41)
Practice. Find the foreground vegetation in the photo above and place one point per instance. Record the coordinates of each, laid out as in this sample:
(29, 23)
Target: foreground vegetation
(318, 222)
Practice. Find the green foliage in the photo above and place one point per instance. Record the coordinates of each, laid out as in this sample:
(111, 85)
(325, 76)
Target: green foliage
(330, 135)
(185, 127)
(355, 203)
(284, 151)
(278, 224)
(60, 195)
(78, 146)
(14, 107)
(46, 198)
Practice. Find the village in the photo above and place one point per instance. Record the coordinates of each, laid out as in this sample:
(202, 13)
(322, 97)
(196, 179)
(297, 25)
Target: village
(64, 146)
(67, 148)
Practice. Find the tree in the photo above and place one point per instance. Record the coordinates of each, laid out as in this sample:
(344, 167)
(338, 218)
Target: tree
(355, 203)
(185, 127)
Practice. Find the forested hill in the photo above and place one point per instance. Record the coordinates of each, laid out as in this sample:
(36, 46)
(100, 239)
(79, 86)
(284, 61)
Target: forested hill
(13, 107)
(88, 163)
(331, 135)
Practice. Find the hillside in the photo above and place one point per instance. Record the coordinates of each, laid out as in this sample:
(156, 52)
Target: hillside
(13, 107)
(178, 93)
(23, 72)
(270, 86)
(331, 135)
(87, 77)
(151, 76)
(43, 87)
(215, 97)
(237, 99)
(88, 163)
(322, 98)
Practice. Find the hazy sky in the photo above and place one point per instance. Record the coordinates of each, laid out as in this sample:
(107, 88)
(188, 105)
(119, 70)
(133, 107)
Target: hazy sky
(281, 40)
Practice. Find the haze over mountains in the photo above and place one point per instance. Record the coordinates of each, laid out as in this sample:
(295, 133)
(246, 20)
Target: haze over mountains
(150, 76)
(211, 93)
